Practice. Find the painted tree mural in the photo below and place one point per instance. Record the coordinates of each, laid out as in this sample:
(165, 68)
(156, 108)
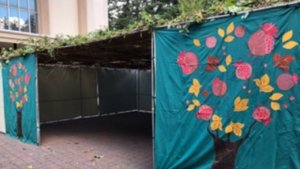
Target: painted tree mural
(228, 134)
(19, 79)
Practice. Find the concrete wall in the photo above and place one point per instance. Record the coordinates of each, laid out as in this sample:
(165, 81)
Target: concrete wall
(72, 17)
(97, 14)
(63, 17)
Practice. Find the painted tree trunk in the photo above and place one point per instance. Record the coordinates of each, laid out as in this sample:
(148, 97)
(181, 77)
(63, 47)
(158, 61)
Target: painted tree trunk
(225, 153)
(19, 124)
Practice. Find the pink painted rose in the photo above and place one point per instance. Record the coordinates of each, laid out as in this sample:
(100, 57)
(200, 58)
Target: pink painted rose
(219, 87)
(20, 89)
(24, 99)
(211, 41)
(12, 97)
(27, 78)
(239, 31)
(262, 114)
(13, 70)
(286, 81)
(188, 62)
(243, 70)
(205, 112)
(262, 41)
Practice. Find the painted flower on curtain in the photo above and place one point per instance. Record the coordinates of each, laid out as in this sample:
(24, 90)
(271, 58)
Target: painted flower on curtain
(262, 114)
(239, 31)
(219, 87)
(286, 81)
(205, 112)
(188, 62)
(19, 79)
(227, 132)
(243, 70)
(262, 41)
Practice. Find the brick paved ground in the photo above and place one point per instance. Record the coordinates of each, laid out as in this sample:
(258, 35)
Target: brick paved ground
(116, 142)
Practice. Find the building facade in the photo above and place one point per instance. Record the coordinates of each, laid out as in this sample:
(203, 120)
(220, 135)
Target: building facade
(21, 19)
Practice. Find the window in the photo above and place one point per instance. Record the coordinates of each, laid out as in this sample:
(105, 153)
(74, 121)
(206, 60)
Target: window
(18, 15)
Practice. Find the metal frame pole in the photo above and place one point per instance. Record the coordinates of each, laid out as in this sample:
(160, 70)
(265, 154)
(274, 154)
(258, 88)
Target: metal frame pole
(37, 101)
(138, 89)
(98, 89)
(153, 72)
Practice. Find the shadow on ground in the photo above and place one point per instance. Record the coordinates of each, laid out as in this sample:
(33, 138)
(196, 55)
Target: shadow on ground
(121, 141)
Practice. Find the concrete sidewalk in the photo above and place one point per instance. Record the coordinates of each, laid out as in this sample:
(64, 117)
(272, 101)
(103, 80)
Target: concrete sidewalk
(116, 142)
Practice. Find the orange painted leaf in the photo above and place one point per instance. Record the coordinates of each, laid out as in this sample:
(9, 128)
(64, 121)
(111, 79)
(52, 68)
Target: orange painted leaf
(283, 62)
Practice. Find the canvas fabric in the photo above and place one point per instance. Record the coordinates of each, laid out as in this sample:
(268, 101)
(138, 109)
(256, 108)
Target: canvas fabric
(19, 85)
(227, 93)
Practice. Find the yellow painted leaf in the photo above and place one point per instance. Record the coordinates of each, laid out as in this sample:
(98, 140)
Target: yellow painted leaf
(228, 129)
(216, 125)
(195, 87)
(196, 102)
(257, 82)
(191, 107)
(222, 68)
(239, 125)
(236, 128)
(196, 82)
(266, 89)
(263, 84)
(18, 104)
(194, 90)
(229, 38)
(230, 28)
(216, 118)
(287, 36)
(197, 42)
(276, 96)
(228, 60)
(237, 131)
(25, 89)
(265, 80)
(290, 44)
(221, 32)
(240, 105)
(237, 100)
(243, 105)
(275, 106)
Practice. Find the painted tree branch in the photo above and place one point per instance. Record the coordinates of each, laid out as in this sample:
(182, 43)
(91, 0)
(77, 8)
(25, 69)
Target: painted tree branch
(249, 130)
(210, 133)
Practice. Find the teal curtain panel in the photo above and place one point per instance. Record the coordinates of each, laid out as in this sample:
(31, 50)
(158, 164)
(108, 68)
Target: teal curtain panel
(19, 86)
(227, 93)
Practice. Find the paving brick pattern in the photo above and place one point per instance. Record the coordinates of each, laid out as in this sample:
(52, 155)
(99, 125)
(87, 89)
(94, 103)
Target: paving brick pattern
(116, 142)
